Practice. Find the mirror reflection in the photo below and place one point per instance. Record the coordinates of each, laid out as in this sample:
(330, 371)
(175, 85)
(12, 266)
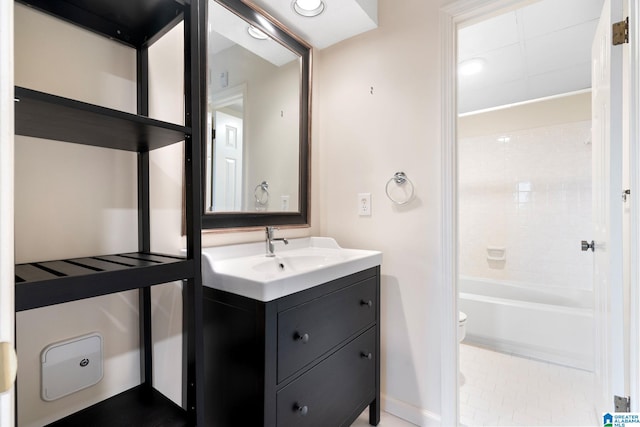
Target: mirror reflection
(253, 149)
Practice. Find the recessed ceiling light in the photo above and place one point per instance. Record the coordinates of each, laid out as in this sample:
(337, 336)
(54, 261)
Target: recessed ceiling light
(256, 33)
(308, 8)
(471, 66)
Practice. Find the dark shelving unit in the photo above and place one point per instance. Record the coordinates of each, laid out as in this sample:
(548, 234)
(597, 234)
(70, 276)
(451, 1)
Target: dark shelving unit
(40, 284)
(137, 24)
(140, 406)
(42, 115)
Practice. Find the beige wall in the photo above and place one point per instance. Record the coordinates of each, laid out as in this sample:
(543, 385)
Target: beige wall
(365, 138)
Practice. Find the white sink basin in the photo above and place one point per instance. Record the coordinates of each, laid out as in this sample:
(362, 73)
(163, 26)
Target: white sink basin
(295, 263)
(303, 263)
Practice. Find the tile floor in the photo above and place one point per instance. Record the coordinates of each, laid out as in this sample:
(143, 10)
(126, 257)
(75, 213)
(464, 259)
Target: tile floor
(500, 389)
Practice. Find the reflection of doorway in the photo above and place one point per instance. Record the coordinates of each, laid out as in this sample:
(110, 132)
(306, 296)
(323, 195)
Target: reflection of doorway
(227, 162)
(225, 152)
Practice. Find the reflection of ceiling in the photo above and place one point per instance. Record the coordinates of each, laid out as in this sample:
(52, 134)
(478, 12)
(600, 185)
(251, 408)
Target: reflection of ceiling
(539, 50)
(340, 20)
(227, 30)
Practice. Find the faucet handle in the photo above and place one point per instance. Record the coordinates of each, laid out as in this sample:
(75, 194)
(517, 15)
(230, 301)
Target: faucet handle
(269, 231)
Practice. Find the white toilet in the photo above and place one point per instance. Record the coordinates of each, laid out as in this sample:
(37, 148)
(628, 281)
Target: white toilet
(462, 322)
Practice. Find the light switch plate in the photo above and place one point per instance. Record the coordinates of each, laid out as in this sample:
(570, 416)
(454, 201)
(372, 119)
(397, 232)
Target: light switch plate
(71, 365)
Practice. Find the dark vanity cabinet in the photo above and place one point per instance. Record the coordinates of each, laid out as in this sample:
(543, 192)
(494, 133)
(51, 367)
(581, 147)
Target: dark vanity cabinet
(307, 359)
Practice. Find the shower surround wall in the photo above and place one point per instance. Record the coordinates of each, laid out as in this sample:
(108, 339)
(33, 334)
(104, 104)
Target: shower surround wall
(529, 192)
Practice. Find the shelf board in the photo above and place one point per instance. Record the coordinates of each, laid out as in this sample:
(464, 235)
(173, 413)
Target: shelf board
(134, 23)
(141, 406)
(42, 115)
(41, 284)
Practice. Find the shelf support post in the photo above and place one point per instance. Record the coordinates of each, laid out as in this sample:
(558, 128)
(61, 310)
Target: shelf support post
(144, 221)
(195, 54)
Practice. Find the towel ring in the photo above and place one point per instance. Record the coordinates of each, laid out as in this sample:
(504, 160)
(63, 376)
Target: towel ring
(400, 178)
(263, 199)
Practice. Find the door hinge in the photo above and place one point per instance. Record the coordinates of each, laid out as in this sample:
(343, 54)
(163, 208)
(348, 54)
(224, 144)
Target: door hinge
(620, 33)
(625, 194)
(622, 404)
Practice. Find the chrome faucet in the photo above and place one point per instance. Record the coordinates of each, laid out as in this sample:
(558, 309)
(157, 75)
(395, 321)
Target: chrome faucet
(269, 241)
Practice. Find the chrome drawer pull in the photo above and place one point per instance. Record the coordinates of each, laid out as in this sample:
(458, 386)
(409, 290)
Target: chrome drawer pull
(301, 337)
(368, 303)
(366, 355)
(302, 410)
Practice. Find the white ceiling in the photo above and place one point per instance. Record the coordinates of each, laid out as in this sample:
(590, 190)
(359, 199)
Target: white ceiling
(227, 29)
(344, 18)
(340, 20)
(540, 50)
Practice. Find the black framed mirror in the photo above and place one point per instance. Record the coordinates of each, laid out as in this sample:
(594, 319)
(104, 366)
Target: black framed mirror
(256, 153)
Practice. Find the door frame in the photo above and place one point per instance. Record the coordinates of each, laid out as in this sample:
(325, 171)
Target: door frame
(452, 17)
(7, 280)
(634, 183)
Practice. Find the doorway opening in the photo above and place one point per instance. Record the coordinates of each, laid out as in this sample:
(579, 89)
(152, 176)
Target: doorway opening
(523, 201)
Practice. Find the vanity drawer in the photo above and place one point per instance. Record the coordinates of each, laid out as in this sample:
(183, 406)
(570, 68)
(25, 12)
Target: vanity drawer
(309, 330)
(329, 393)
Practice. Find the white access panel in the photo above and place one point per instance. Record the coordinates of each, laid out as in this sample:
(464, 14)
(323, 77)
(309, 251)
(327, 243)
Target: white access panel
(71, 365)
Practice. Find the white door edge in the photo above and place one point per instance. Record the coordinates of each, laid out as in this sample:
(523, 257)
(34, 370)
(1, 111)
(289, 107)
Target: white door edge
(449, 357)
(7, 281)
(634, 166)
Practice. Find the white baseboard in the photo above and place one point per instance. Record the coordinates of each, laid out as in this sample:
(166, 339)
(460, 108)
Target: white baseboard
(406, 411)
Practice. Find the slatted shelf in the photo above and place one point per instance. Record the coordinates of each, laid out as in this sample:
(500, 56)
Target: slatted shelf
(141, 406)
(41, 284)
(42, 115)
(134, 23)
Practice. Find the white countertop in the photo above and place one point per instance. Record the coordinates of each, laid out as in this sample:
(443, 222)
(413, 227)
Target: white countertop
(304, 263)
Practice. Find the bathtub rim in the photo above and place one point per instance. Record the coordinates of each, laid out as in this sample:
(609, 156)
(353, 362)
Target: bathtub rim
(583, 298)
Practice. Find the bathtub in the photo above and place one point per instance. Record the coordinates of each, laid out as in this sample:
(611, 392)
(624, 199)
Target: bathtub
(550, 324)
